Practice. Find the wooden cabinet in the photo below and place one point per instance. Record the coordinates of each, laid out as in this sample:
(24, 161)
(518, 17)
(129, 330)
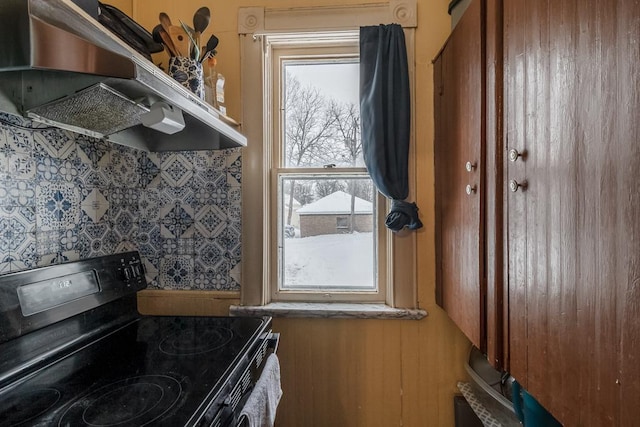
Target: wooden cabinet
(557, 225)
(572, 104)
(467, 81)
(458, 175)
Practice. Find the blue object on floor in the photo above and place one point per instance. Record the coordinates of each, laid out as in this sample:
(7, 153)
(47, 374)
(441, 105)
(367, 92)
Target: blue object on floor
(529, 411)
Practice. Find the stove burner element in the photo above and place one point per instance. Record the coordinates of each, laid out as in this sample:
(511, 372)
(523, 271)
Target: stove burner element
(28, 405)
(194, 341)
(137, 401)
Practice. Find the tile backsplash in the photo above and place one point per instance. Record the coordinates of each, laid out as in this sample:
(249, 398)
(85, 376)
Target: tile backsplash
(65, 196)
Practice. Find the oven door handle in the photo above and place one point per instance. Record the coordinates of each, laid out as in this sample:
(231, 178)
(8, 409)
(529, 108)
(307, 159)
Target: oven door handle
(273, 341)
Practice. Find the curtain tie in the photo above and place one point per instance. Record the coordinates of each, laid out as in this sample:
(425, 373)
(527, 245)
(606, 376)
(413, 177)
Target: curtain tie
(403, 214)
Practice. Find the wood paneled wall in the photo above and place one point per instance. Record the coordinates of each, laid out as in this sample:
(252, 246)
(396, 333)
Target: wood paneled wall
(355, 372)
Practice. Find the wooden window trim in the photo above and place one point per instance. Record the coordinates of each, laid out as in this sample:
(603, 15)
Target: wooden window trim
(253, 24)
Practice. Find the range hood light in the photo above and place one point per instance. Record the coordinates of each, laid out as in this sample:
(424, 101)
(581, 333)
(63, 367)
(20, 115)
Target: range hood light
(163, 118)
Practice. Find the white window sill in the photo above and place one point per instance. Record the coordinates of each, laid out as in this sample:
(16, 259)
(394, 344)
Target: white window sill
(328, 310)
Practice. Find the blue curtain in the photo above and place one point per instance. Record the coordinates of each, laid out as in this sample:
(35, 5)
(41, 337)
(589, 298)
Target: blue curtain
(385, 111)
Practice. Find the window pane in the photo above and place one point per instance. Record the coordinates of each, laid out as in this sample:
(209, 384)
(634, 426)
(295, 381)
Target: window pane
(327, 233)
(321, 114)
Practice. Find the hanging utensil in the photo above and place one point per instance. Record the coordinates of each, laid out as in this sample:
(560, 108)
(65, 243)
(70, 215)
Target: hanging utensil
(166, 40)
(212, 43)
(180, 40)
(195, 50)
(201, 20)
(165, 21)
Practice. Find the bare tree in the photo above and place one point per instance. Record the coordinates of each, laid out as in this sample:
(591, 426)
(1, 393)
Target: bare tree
(346, 130)
(307, 128)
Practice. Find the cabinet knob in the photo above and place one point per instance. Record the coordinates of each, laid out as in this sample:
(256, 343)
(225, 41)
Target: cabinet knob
(514, 185)
(470, 166)
(470, 189)
(514, 154)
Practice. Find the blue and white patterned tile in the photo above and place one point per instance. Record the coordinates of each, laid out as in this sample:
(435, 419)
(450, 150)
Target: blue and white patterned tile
(148, 238)
(84, 245)
(58, 206)
(48, 242)
(4, 166)
(97, 231)
(151, 268)
(108, 243)
(170, 195)
(178, 246)
(18, 193)
(210, 221)
(124, 168)
(235, 276)
(149, 204)
(234, 168)
(7, 119)
(13, 236)
(125, 225)
(126, 246)
(56, 143)
(149, 170)
(234, 207)
(176, 272)
(177, 220)
(233, 242)
(21, 166)
(50, 169)
(177, 170)
(203, 279)
(90, 177)
(18, 139)
(220, 278)
(207, 176)
(209, 254)
(69, 239)
(47, 168)
(92, 151)
(58, 258)
(95, 205)
(19, 218)
(122, 196)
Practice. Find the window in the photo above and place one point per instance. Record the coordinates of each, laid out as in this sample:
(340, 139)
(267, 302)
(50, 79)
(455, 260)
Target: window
(327, 244)
(313, 224)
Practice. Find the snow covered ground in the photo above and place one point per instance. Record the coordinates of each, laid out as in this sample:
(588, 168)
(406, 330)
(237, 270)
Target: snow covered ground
(329, 261)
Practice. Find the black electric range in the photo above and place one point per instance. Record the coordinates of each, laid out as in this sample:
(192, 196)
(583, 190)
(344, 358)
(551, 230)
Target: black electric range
(75, 352)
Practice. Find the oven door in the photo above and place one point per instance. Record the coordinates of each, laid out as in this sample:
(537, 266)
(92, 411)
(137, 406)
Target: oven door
(242, 384)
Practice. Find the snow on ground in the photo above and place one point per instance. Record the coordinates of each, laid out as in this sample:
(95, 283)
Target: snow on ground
(329, 260)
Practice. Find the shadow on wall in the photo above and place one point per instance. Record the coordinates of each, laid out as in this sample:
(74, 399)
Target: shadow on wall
(65, 196)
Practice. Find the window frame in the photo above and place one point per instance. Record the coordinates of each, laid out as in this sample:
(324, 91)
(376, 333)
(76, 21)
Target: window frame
(282, 50)
(254, 24)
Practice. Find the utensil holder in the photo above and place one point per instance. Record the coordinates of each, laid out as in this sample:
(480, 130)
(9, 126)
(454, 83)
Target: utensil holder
(188, 72)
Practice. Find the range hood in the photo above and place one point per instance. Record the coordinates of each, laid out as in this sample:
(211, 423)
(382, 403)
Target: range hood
(60, 66)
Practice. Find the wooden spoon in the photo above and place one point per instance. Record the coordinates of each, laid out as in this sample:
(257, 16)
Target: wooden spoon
(201, 20)
(180, 40)
(165, 21)
(168, 42)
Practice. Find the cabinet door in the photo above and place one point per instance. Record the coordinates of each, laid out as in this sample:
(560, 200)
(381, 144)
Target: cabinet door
(458, 175)
(572, 104)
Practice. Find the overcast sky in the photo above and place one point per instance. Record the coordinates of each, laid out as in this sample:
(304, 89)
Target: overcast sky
(337, 81)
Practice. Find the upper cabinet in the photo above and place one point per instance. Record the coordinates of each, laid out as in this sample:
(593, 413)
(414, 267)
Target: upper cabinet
(557, 290)
(459, 168)
(572, 104)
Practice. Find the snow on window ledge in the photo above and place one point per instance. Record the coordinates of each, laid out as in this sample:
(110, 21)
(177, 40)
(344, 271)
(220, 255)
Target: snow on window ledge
(328, 310)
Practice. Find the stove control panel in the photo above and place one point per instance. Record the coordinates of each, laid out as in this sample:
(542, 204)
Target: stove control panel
(131, 270)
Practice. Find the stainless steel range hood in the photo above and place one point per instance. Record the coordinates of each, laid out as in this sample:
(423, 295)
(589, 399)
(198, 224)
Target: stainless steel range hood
(60, 66)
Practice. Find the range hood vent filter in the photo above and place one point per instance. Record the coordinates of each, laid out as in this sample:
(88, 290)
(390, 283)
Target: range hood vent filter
(96, 111)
